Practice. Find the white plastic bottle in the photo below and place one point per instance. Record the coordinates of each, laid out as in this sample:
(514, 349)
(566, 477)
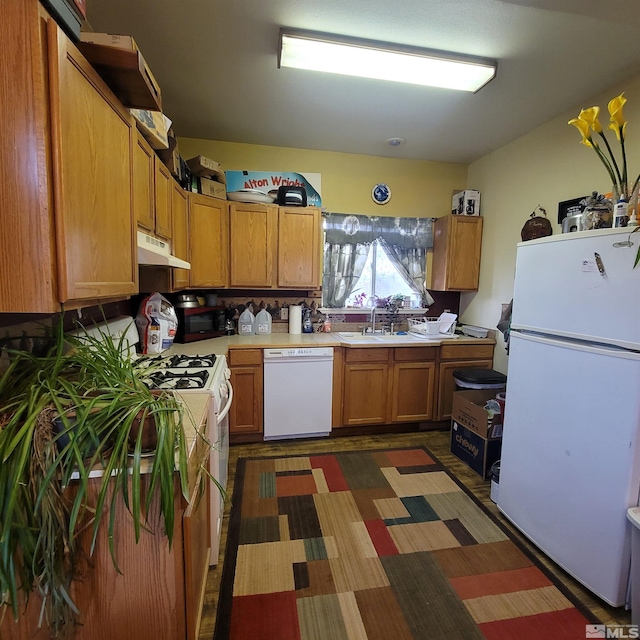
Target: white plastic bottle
(263, 322)
(246, 323)
(620, 215)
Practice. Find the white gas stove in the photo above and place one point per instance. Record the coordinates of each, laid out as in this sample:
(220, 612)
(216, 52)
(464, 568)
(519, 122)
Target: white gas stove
(207, 373)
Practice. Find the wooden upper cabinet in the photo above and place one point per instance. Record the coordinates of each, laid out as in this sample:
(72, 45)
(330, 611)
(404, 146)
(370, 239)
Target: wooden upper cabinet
(180, 234)
(163, 189)
(456, 253)
(152, 190)
(143, 184)
(299, 247)
(209, 241)
(92, 143)
(28, 281)
(252, 247)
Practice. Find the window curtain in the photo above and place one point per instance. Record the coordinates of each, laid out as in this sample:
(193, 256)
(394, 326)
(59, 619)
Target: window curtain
(348, 240)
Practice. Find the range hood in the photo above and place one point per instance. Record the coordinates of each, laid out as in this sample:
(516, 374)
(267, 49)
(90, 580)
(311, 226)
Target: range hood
(152, 251)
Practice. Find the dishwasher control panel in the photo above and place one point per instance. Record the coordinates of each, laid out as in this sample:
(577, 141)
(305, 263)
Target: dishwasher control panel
(299, 352)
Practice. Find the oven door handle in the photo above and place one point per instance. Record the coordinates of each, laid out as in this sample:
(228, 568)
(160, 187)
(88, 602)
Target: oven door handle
(223, 414)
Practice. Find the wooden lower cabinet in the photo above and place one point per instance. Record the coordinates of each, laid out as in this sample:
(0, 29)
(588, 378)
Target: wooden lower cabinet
(366, 386)
(196, 530)
(414, 375)
(245, 416)
(454, 357)
(159, 592)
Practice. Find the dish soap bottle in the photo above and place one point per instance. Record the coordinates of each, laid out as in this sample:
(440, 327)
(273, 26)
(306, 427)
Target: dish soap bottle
(620, 217)
(263, 322)
(307, 326)
(246, 323)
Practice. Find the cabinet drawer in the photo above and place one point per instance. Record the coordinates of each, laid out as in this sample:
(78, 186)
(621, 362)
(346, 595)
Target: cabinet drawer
(241, 357)
(415, 354)
(367, 355)
(465, 351)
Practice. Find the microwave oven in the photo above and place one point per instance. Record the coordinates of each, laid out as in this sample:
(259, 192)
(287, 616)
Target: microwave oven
(199, 323)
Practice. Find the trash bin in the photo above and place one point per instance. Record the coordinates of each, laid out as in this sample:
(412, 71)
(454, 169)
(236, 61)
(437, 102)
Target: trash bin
(633, 515)
(494, 475)
(477, 378)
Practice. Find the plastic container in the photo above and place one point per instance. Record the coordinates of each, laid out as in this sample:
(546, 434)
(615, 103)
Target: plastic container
(494, 475)
(478, 378)
(263, 323)
(246, 323)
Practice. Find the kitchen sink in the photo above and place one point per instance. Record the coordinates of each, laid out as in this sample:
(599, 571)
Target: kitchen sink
(389, 338)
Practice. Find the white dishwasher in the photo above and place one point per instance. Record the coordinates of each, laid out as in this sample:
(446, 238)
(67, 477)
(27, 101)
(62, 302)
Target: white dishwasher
(298, 385)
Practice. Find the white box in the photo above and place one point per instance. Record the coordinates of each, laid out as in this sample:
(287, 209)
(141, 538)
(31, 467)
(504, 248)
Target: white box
(466, 203)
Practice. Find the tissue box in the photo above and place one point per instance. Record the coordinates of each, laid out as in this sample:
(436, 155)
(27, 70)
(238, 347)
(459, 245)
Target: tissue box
(466, 203)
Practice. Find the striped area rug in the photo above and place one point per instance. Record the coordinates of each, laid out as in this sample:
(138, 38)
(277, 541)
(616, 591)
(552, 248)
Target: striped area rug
(373, 545)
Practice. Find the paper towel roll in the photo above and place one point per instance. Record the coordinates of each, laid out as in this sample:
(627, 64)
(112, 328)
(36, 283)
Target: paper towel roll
(295, 319)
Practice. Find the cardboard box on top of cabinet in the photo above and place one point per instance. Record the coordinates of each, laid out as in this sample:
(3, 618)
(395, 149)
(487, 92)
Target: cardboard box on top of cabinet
(124, 42)
(479, 411)
(268, 182)
(154, 126)
(466, 203)
(209, 187)
(476, 452)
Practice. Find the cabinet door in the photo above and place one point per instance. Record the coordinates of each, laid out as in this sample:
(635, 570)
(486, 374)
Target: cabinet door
(196, 526)
(163, 194)
(245, 415)
(180, 240)
(92, 149)
(413, 391)
(143, 183)
(252, 245)
(27, 243)
(456, 253)
(447, 385)
(209, 241)
(299, 247)
(366, 393)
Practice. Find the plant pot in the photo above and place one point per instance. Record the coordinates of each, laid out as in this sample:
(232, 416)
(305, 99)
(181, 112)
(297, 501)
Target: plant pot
(149, 433)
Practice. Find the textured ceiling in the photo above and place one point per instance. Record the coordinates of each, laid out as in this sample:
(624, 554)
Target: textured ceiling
(216, 62)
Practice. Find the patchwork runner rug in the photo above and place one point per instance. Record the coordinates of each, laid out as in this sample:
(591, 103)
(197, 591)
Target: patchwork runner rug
(379, 544)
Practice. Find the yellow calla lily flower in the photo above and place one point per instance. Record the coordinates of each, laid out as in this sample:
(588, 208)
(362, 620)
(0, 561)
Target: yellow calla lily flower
(583, 127)
(590, 116)
(618, 124)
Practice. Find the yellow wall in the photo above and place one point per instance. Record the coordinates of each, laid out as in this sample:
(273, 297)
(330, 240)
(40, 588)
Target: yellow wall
(418, 188)
(544, 167)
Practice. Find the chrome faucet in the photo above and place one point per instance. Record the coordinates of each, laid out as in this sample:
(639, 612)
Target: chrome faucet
(373, 319)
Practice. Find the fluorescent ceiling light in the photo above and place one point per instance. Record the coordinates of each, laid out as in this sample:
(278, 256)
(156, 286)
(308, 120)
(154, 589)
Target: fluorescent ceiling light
(383, 61)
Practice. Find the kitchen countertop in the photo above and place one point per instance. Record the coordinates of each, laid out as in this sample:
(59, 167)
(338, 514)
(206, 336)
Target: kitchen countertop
(220, 346)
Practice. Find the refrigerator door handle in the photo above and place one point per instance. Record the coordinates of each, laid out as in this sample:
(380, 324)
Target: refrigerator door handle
(578, 345)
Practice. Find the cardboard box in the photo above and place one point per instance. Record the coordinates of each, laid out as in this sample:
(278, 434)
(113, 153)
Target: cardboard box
(201, 166)
(466, 203)
(128, 43)
(206, 168)
(268, 183)
(210, 187)
(476, 452)
(154, 126)
(479, 411)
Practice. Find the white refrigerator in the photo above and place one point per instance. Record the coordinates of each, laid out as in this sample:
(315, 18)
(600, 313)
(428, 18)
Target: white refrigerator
(570, 461)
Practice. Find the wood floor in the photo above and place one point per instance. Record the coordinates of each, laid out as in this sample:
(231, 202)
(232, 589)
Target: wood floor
(438, 443)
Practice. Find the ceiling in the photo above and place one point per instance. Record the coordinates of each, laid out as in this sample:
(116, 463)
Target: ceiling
(216, 62)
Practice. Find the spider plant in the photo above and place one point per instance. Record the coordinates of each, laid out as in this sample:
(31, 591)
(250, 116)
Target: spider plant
(79, 407)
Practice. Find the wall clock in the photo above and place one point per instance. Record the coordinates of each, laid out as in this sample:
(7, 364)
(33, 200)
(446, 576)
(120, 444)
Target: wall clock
(381, 193)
